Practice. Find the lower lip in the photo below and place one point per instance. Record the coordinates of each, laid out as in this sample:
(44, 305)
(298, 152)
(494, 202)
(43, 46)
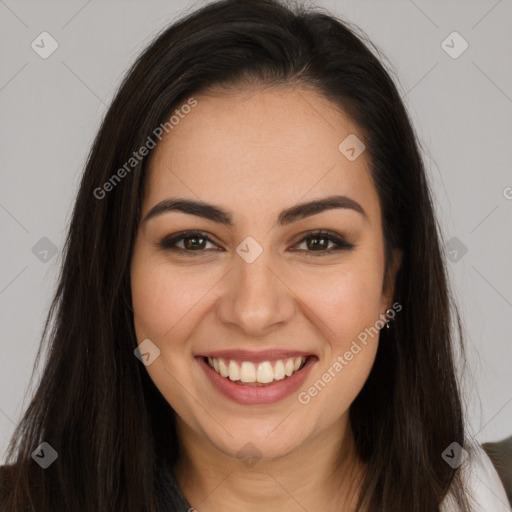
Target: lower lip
(257, 395)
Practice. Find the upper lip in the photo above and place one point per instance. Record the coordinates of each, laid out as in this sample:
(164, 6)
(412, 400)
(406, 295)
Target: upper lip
(255, 357)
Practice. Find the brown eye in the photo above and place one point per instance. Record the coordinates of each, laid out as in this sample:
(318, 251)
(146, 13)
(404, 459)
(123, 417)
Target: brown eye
(192, 241)
(319, 242)
(195, 243)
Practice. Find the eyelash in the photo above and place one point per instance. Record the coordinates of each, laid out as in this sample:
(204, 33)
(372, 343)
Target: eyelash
(169, 244)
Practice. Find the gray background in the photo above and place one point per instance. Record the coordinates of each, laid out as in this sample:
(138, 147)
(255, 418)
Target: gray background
(461, 107)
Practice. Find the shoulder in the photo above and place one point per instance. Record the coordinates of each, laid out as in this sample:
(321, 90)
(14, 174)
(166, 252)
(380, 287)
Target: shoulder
(500, 453)
(483, 484)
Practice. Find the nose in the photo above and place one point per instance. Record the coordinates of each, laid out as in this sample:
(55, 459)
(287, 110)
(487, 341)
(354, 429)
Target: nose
(256, 299)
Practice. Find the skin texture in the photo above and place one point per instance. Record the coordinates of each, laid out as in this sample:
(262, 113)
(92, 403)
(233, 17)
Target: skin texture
(255, 153)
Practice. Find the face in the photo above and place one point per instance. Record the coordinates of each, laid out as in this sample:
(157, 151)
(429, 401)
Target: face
(253, 289)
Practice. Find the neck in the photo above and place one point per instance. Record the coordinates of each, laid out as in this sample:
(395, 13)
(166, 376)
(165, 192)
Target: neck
(322, 474)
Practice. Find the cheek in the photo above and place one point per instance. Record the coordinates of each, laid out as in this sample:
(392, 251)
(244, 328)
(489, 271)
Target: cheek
(349, 307)
(347, 301)
(166, 300)
(337, 384)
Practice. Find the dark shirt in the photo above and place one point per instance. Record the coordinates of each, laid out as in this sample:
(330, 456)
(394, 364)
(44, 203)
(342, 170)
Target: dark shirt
(168, 493)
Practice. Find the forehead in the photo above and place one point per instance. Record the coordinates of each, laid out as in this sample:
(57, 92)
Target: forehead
(266, 146)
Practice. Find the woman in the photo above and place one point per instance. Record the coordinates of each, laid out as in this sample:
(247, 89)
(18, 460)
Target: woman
(253, 310)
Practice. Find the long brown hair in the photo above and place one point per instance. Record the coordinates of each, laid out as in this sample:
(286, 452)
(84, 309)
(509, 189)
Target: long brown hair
(95, 403)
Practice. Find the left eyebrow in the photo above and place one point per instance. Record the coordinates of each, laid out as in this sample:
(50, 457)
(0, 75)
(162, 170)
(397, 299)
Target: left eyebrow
(222, 216)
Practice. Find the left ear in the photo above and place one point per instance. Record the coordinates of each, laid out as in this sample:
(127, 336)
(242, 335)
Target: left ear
(389, 280)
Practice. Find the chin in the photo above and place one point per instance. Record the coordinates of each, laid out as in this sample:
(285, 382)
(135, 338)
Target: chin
(251, 444)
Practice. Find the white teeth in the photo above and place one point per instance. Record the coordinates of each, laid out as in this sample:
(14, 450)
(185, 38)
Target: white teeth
(289, 367)
(264, 373)
(279, 370)
(223, 368)
(233, 371)
(247, 372)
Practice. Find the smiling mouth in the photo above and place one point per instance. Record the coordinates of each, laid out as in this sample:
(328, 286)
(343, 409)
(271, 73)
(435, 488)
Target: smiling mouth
(264, 373)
